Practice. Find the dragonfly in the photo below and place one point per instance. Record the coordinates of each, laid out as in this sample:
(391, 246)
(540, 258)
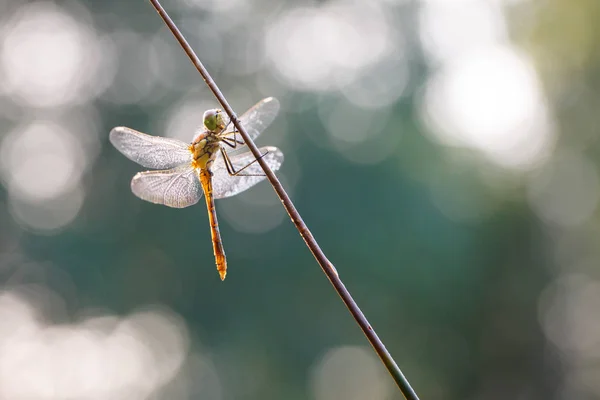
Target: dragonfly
(209, 165)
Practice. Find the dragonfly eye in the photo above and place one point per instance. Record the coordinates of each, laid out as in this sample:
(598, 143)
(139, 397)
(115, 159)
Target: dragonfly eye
(210, 119)
(220, 121)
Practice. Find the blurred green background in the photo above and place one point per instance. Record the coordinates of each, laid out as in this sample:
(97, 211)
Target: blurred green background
(443, 153)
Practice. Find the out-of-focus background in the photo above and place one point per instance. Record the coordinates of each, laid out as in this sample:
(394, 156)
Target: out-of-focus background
(444, 153)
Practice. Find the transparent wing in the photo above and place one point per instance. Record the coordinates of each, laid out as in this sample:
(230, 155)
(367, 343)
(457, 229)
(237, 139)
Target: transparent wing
(225, 185)
(150, 151)
(178, 187)
(257, 118)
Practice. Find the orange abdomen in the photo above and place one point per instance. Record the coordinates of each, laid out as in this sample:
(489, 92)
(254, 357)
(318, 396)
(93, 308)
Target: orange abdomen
(206, 181)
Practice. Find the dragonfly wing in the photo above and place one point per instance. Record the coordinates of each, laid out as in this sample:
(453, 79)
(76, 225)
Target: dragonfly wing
(257, 118)
(150, 151)
(178, 187)
(225, 185)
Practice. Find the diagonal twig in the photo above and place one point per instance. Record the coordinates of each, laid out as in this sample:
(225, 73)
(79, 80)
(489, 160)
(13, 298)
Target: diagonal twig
(309, 239)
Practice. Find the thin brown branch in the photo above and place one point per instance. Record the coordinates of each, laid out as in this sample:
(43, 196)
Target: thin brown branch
(309, 239)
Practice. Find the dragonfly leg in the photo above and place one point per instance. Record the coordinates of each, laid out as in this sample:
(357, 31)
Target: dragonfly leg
(232, 142)
(231, 169)
(235, 135)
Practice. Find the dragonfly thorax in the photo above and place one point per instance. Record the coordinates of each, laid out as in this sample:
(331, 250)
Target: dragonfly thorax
(204, 149)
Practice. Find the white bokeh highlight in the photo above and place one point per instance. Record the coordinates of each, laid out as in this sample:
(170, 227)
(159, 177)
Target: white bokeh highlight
(48, 58)
(41, 160)
(485, 94)
(351, 373)
(50, 216)
(492, 102)
(42, 165)
(326, 47)
(103, 356)
(451, 29)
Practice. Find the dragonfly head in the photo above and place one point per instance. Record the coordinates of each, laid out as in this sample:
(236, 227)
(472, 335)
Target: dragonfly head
(213, 120)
